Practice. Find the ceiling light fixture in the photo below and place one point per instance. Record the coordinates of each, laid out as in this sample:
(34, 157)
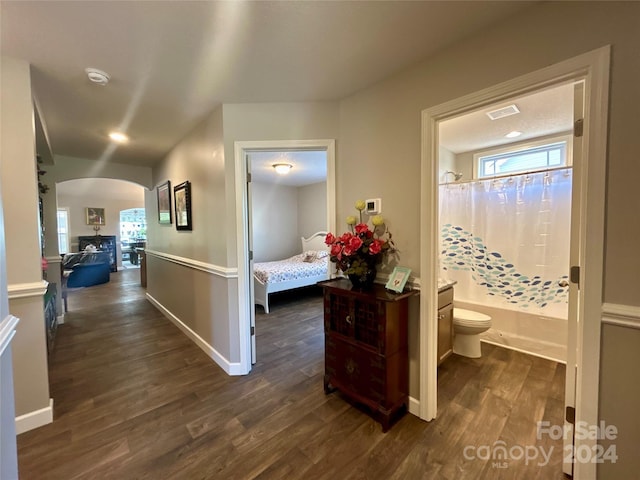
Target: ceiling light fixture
(282, 168)
(513, 134)
(118, 137)
(97, 76)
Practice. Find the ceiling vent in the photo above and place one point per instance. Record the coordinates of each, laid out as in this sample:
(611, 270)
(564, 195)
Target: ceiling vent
(97, 76)
(503, 112)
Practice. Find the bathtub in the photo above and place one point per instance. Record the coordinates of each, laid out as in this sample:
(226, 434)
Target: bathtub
(534, 334)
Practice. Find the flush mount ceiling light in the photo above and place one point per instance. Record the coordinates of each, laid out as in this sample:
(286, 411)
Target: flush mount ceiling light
(97, 76)
(513, 134)
(282, 168)
(503, 112)
(118, 137)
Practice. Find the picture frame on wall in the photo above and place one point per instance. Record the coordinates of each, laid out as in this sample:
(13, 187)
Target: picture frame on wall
(95, 216)
(182, 201)
(164, 203)
(398, 279)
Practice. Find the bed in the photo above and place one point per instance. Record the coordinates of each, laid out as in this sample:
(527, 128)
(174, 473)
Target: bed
(306, 268)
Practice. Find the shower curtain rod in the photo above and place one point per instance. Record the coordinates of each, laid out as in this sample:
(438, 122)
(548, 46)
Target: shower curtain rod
(507, 175)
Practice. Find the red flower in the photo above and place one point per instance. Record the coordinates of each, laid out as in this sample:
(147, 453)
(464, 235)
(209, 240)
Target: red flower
(375, 247)
(346, 237)
(329, 239)
(352, 246)
(362, 228)
(336, 250)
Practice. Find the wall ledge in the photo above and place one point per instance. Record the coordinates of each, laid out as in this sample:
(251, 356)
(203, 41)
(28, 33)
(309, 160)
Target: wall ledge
(7, 331)
(621, 315)
(224, 272)
(34, 419)
(232, 368)
(24, 290)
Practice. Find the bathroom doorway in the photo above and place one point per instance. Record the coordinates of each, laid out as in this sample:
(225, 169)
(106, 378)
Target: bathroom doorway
(589, 73)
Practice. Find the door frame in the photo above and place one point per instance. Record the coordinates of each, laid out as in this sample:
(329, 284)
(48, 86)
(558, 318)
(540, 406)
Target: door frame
(593, 68)
(245, 298)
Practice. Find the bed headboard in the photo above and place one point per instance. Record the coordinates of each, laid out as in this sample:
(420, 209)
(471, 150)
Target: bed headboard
(314, 242)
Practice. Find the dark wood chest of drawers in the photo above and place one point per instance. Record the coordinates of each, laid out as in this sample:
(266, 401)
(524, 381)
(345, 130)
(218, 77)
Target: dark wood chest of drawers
(366, 354)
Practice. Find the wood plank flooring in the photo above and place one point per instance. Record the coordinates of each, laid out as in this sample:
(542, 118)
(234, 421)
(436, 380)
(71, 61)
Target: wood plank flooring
(135, 399)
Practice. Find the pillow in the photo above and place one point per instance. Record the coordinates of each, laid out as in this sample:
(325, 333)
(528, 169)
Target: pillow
(322, 253)
(310, 256)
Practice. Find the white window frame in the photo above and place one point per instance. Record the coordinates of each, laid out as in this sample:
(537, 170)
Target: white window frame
(523, 147)
(63, 245)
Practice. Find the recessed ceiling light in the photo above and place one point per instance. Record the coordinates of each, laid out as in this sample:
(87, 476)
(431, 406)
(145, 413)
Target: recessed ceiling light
(282, 168)
(97, 76)
(513, 134)
(118, 137)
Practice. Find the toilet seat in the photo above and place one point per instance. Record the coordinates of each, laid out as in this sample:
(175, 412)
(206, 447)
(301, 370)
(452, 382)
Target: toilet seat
(470, 318)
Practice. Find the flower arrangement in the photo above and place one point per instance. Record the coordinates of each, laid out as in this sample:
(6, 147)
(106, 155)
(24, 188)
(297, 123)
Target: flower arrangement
(358, 251)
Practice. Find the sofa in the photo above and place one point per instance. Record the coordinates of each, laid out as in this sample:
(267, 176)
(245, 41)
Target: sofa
(87, 269)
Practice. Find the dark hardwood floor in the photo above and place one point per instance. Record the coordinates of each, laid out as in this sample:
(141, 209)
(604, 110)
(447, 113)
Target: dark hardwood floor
(135, 399)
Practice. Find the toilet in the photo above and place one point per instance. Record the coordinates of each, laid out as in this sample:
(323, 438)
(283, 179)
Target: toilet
(467, 327)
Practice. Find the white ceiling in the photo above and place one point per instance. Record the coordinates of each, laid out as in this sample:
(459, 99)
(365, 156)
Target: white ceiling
(173, 62)
(543, 113)
(308, 167)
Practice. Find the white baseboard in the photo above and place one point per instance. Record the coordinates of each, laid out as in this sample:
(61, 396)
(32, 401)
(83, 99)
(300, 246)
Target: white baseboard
(34, 419)
(60, 319)
(229, 367)
(414, 406)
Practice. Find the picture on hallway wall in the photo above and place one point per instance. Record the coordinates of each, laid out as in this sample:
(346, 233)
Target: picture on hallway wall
(182, 199)
(164, 202)
(95, 216)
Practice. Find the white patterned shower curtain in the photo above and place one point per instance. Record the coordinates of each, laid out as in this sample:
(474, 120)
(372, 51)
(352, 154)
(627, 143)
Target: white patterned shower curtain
(506, 241)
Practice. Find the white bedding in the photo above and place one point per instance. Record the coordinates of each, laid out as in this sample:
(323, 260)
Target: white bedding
(308, 264)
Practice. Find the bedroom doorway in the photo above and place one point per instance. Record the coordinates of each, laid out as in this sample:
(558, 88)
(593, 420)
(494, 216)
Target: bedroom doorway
(275, 197)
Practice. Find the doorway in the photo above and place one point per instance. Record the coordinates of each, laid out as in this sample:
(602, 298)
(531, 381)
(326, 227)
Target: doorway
(243, 150)
(589, 177)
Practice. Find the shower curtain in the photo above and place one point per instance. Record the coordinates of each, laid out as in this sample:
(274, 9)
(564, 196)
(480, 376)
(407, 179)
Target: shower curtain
(506, 241)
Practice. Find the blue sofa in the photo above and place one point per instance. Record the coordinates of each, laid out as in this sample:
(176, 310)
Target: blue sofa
(87, 269)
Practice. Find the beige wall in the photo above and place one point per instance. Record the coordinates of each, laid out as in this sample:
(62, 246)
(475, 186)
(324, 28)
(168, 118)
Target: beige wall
(312, 209)
(274, 219)
(21, 219)
(380, 129)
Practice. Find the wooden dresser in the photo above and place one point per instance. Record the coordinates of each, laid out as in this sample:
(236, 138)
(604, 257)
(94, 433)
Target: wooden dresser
(366, 354)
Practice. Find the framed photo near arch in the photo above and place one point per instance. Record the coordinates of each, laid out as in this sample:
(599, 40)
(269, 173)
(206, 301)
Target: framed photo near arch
(164, 202)
(182, 201)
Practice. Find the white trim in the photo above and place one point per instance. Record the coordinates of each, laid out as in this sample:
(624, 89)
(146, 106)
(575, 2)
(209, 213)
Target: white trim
(7, 331)
(35, 419)
(245, 277)
(60, 319)
(621, 315)
(414, 406)
(229, 367)
(224, 272)
(54, 259)
(24, 290)
(593, 68)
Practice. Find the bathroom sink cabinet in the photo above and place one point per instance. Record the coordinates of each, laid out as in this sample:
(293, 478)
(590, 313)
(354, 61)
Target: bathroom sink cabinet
(445, 324)
(366, 355)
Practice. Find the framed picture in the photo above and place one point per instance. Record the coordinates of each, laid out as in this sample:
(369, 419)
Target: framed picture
(398, 279)
(182, 200)
(95, 216)
(164, 202)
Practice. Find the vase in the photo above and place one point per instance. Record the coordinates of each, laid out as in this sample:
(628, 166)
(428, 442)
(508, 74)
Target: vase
(364, 281)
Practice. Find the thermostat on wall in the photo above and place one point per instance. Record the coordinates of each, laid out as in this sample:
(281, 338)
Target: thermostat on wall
(374, 206)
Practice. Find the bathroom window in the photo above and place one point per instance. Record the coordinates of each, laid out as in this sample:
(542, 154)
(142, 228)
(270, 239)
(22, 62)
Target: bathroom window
(531, 157)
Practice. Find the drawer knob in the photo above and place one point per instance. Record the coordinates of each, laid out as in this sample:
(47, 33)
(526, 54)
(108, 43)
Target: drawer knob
(348, 319)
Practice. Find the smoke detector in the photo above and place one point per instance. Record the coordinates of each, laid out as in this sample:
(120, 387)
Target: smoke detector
(97, 76)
